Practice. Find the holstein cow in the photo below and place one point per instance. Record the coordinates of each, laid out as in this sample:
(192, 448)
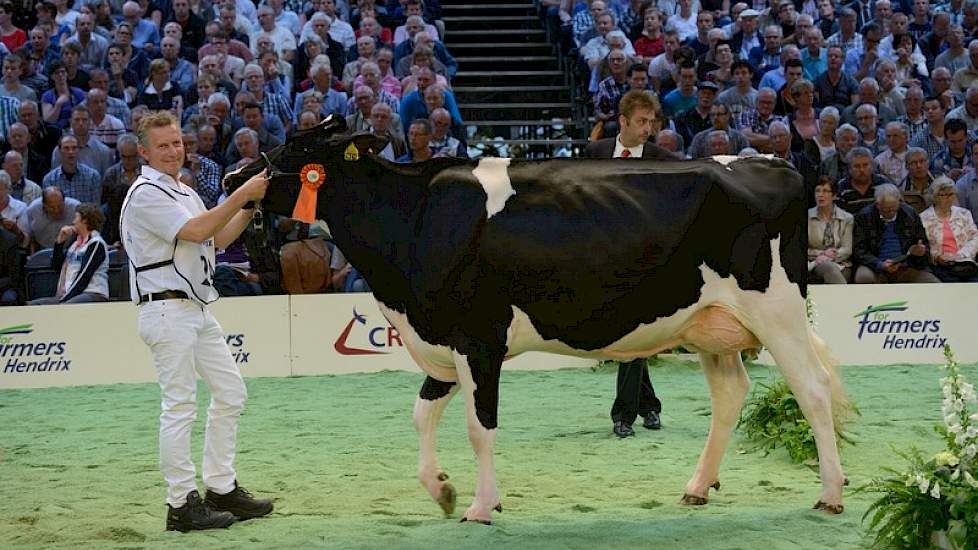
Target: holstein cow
(474, 262)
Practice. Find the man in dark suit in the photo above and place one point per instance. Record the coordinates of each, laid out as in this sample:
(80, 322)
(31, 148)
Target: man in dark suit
(636, 396)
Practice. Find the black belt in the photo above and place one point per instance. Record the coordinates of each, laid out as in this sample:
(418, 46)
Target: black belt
(165, 295)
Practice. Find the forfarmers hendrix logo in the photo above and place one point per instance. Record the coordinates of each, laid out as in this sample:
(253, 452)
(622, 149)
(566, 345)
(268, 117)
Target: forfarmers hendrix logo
(381, 337)
(29, 357)
(899, 333)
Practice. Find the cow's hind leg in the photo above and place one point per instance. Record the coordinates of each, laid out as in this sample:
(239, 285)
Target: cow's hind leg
(478, 374)
(432, 400)
(794, 352)
(728, 383)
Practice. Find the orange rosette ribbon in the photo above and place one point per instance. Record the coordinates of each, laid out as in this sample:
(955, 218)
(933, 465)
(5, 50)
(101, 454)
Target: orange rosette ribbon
(311, 176)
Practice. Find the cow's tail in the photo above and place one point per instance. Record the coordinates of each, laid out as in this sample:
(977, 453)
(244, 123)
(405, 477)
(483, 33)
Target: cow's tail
(841, 406)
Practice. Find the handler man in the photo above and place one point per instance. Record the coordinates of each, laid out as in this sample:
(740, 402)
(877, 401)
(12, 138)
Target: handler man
(636, 396)
(170, 239)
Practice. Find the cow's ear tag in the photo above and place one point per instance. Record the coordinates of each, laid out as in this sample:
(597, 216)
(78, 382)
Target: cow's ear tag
(351, 153)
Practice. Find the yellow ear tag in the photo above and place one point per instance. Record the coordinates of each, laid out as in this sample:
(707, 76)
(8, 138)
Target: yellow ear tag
(351, 153)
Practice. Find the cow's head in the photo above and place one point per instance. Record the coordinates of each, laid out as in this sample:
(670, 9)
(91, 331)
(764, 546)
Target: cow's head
(326, 145)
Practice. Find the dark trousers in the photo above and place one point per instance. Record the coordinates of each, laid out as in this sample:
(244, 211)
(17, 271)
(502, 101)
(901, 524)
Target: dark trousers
(636, 396)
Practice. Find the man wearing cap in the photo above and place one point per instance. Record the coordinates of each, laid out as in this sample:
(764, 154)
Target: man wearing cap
(693, 121)
(747, 38)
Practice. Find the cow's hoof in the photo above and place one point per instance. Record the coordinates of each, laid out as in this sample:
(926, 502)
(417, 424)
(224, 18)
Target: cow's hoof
(499, 508)
(828, 508)
(482, 521)
(716, 485)
(693, 500)
(447, 498)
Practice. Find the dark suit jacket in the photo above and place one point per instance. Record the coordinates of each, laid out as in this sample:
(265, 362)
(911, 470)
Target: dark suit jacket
(604, 148)
(737, 42)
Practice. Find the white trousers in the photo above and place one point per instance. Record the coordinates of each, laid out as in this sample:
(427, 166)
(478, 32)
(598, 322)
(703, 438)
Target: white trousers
(186, 340)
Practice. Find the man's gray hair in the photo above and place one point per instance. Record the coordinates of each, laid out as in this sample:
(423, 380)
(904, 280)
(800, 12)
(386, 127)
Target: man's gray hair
(830, 111)
(245, 131)
(885, 191)
(915, 151)
(838, 131)
(5, 180)
(859, 152)
(127, 139)
(218, 97)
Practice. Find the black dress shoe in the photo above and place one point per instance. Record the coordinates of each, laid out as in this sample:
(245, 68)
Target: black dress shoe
(195, 515)
(652, 421)
(622, 429)
(240, 503)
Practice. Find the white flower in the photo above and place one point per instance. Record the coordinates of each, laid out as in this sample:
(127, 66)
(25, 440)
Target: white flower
(970, 451)
(970, 481)
(952, 426)
(922, 484)
(973, 417)
(971, 432)
(955, 474)
(935, 491)
(946, 459)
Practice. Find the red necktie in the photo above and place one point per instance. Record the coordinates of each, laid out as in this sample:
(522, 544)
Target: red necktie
(625, 154)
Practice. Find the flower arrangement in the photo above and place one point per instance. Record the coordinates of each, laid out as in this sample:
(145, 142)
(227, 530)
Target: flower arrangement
(934, 503)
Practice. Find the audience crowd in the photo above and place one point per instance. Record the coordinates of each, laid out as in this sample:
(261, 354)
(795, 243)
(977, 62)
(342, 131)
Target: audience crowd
(874, 103)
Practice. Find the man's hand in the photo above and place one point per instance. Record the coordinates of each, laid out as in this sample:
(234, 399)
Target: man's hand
(890, 267)
(65, 233)
(918, 249)
(254, 188)
(831, 253)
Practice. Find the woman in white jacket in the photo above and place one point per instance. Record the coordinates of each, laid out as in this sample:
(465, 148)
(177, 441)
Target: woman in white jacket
(85, 264)
(952, 234)
(829, 237)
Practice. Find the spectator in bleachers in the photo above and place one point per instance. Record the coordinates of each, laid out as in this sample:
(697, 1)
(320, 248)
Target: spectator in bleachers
(70, 57)
(776, 78)
(746, 37)
(57, 103)
(421, 57)
(366, 51)
(418, 142)
(931, 139)
(741, 97)
(278, 74)
(613, 87)
(835, 87)
(272, 104)
(216, 113)
(956, 56)
(159, 92)
(584, 23)
(721, 68)
(208, 144)
(953, 159)
(145, 34)
(383, 124)
(952, 235)
(84, 265)
(891, 96)
(388, 81)
(700, 41)
(206, 173)
(45, 217)
(413, 104)
(127, 66)
(803, 23)
(40, 53)
(892, 162)
(663, 65)
(370, 77)
(333, 102)
(684, 96)
(319, 26)
(91, 152)
(340, 30)
(846, 37)
(246, 143)
(780, 143)
(182, 72)
(92, 45)
(44, 137)
(365, 100)
(829, 237)
(598, 47)
(12, 85)
(412, 26)
(964, 77)
(104, 127)
(967, 185)
(282, 37)
(651, 41)
(19, 140)
(442, 142)
(206, 86)
(11, 209)
(226, 82)
(104, 22)
(701, 144)
(369, 26)
(767, 57)
(918, 180)
(889, 242)
(967, 111)
(861, 61)
(670, 141)
(814, 57)
(914, 118)
(116, 182)
(218, 41)
(755, 122)
(77, 180)
(308, 119)
(718, 143)
(684, 20)
(253, 117)
(190, 23)
(934, 36)
(10, 269)
(235, 21)
(696, 119)
(871, 135)
(856, 189)
(21, 188)
(11, 36)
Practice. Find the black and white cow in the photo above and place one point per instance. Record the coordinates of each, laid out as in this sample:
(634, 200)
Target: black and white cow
(474, 262)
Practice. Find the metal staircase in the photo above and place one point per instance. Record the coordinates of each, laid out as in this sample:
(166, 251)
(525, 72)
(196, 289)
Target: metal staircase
(510, 88)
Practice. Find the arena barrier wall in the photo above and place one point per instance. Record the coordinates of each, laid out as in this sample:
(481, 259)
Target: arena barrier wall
(42, 346)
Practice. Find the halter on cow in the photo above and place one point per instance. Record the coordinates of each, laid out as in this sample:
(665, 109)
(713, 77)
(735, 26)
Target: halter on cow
(474, 262)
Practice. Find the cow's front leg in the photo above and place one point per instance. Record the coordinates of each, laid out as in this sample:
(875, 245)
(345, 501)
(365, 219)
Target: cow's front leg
(432, 400)
(478, 374)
